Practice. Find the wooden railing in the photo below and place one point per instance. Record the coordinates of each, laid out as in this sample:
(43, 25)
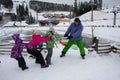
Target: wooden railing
(6, 49)
(110, 26)
(104, 48)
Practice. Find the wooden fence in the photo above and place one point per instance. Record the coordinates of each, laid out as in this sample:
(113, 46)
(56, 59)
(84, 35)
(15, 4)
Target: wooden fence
(6, 49)
(103, 48)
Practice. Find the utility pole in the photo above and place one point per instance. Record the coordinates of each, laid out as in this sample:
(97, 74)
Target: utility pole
(115, 11)
(0, 6)
(92, 4)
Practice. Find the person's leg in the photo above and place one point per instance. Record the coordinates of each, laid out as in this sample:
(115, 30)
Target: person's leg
(49, 55)
(66, 48)
(34, 53)
(81, 48)
(18, 62)
(39, 57)
(22, 63)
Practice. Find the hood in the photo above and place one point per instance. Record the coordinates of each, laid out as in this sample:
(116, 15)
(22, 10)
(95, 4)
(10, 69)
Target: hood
(16, 38)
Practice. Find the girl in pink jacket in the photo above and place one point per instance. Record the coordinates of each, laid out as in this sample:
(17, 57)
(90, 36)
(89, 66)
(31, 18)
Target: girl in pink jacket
(37, 38)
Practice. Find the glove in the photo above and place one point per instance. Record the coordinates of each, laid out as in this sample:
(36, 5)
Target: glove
(52, 33)
(51, 39)
(69, 37)
(66, 35)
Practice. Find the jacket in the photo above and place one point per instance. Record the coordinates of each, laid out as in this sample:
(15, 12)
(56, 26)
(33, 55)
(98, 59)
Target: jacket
(36, 40)
(18, 47)
(51, 42)
(75, 31)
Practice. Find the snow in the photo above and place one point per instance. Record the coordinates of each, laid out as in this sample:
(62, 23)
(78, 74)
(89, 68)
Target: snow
(106, 33)
(70, 67)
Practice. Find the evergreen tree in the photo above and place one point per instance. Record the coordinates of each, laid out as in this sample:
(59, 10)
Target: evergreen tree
(75, 11)
(7, 3)
(95, 5)
(30, 19)
(26, 10)
(100, 3)
(1, 17)
(14, 17)
(83, 7)
(46, 6)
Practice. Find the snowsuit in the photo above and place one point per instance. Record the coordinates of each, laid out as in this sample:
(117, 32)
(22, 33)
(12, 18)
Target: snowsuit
(17, 50)
(75, 31)
(32, 48)
(50, 45)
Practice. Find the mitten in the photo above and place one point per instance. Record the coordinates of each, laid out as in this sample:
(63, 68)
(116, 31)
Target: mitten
(66, 35)
(69, 37)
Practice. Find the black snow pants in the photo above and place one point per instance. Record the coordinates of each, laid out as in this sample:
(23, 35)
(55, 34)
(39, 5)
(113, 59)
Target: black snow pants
(21, 63)
(38, 56)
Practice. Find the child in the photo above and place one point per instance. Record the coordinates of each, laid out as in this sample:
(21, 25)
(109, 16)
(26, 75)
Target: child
(17, 50)
(50, 44)
(37, 38)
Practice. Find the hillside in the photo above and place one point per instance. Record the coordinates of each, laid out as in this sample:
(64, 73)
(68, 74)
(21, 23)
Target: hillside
(103, 17)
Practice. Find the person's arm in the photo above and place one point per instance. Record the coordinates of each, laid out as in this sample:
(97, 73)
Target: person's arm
(69, 29)
(42, 39)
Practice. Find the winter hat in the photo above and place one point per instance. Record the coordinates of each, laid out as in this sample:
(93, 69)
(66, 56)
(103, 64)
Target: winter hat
(51, 29)
(77, 20)
(15, 36)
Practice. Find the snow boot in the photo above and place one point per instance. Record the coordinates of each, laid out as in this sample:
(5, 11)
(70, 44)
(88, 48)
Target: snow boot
(63, 54)
(83, 56)
(24, 68)
(45, 66)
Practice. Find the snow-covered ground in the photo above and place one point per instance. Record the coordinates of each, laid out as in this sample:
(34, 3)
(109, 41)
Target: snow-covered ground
(70, 67)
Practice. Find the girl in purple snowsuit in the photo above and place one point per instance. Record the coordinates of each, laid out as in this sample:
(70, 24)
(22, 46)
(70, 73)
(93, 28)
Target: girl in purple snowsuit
(17, 50)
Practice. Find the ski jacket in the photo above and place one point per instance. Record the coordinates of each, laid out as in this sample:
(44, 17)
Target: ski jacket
(36, 40)
(18, 47)
(55, 37)
(75, 31)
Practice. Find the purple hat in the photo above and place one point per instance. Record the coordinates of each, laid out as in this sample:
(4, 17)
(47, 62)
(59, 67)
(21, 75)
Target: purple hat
(15, 36)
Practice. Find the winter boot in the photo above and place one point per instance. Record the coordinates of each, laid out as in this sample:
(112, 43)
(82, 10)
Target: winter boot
(45, 66)
(83, 56)
(63, 54)
(24, 68)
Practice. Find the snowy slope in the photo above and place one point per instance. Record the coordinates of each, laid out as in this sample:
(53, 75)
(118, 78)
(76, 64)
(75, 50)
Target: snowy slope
(103, 17)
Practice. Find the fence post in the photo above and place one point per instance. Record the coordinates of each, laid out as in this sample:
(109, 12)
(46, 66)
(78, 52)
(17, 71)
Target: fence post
(95, 41)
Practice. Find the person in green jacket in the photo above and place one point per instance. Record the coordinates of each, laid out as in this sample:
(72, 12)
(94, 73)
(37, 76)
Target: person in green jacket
(50, 44)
